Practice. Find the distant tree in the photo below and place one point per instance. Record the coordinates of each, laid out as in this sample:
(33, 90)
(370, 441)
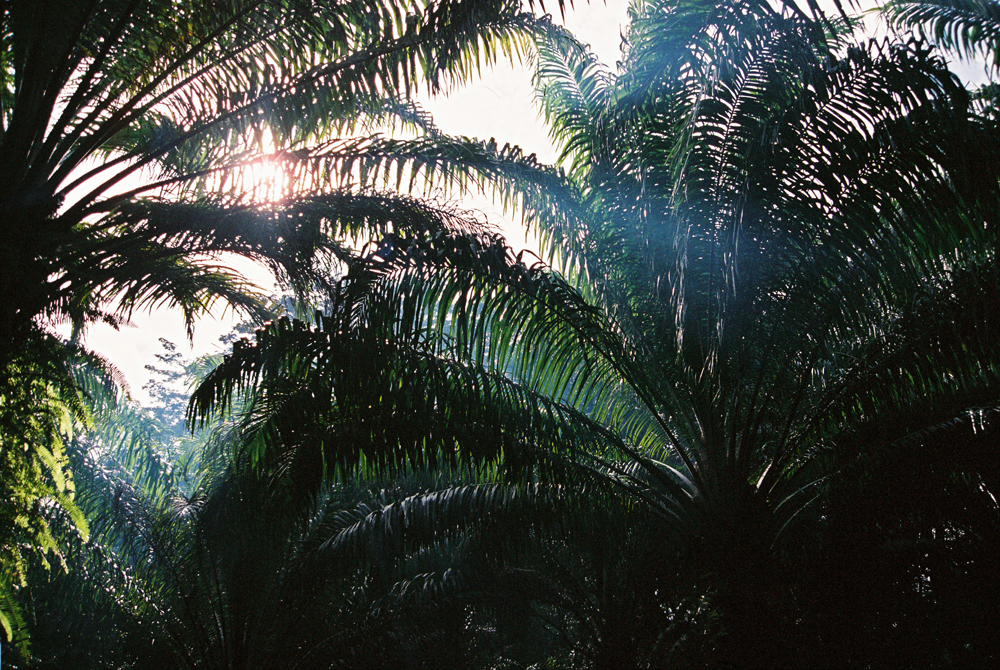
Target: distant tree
(166, 386)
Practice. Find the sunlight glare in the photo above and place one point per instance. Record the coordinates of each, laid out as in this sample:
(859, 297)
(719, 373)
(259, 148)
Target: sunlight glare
(265, 180)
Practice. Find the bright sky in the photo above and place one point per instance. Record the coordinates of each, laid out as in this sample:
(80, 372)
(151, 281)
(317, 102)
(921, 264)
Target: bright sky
(500, 104)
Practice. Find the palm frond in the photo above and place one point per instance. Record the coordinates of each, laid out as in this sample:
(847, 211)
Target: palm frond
(969, 27)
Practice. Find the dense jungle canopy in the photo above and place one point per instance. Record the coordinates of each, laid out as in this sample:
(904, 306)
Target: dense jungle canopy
(741, 412)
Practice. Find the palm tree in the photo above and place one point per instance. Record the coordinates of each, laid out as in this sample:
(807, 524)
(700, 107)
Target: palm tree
(132, 137)
(782, 263)
(781, 266)
(189, 96)
(218, 571)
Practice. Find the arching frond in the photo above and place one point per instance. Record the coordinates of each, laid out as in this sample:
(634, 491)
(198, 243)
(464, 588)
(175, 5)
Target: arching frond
(970, 27)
